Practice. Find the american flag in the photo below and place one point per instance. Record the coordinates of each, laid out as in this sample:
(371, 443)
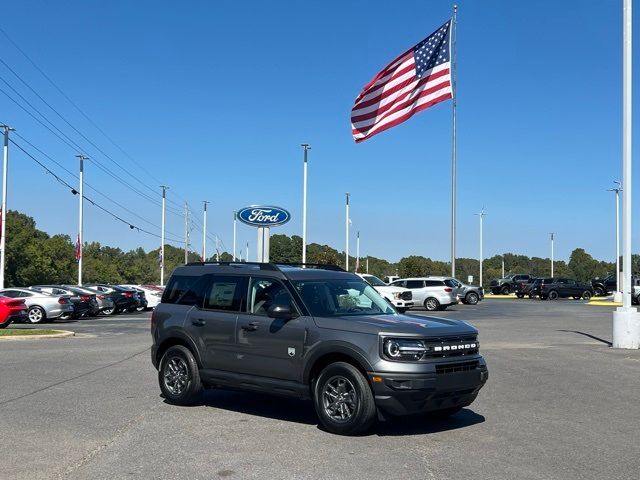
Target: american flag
(78, 249)
(415, 81)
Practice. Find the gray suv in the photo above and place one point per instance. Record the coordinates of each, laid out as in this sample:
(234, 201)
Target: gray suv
(314, 333)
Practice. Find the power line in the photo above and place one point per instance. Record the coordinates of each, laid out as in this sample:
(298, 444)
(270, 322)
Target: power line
(91, 201)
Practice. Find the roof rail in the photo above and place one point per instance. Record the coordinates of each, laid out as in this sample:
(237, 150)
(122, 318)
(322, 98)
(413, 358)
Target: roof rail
(263, 266)
(322, 266)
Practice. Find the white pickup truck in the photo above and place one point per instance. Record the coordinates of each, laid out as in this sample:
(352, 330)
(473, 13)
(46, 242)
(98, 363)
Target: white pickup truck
(401, 298)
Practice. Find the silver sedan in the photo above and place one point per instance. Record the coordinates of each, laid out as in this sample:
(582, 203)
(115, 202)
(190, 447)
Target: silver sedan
(41, 306)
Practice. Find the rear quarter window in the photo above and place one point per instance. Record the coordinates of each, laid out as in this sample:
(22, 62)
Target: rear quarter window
(178, 285)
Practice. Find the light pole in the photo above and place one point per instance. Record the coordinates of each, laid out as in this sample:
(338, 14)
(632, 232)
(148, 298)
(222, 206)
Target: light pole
(552, 238)
(481, 215)
(357, 252)
(346, 250)
(204, 231)
(82, 158)
(617, 296)
(503, 265)
(626, 322)
(3, 212)
(186, 233)
(164, 201)
(235, 219)
(306, 148)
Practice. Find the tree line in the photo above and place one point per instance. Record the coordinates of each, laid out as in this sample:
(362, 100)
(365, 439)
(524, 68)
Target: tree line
(35, 257)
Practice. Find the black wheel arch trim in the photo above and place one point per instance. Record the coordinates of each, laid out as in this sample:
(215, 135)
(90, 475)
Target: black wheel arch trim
(176, 336)
(332, 348)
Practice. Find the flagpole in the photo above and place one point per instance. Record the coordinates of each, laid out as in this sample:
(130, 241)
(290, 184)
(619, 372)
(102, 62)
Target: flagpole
(453, 141)
(306, 148)
(82, 158)
(3, 227)
(346, 224)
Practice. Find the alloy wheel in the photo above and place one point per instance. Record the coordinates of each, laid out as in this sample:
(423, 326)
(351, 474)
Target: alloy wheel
(339, 399)
(431, 304)
(35, 315)
(176, 375)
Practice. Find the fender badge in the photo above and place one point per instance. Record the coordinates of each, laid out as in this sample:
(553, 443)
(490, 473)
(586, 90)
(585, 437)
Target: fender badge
(291, 351)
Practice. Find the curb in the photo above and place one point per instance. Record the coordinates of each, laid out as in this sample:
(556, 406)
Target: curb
(511, 296)
(62, 334)
(604, 303)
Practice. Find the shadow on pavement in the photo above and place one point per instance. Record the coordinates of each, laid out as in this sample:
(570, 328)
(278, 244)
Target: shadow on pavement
(424, 424)
(606, 342)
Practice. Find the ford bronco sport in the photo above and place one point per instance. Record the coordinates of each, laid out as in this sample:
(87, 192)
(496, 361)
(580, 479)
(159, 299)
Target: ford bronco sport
(316, 333)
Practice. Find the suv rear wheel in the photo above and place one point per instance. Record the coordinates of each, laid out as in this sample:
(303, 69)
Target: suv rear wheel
(504, 290)
(586, 295)
(343, 400)
(471, 298)
(599, 292)
(553, 295)
(179, 376)
(431, 304)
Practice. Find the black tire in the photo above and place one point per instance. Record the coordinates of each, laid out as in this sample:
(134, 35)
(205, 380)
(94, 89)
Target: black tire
(504, 290)
(402, 310)
(431, 304)
(5, 324)
(553, 295)
(347, 382)
(520, 295)
(586, 295)
(531, 295)
(495, 291)
(179, 376)
(36, 315)
(132, 309)
(542, 297)
(442, 308)
(599, 292)
(443, 413)
(471, 298)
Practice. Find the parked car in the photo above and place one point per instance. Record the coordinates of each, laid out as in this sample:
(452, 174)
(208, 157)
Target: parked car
(84, 304)
(143, 296)
(431, 292)
(507, 284)
(12, 310)
(311, 333)
(523, 289)
(554, 288)
(390, 279)
(604, 286)
(467, 294)
(104, 301)
(399, 297)
(41, 306)
(124, 298)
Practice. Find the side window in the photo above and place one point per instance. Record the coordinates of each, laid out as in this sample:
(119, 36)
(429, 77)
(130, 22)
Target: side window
(571, 282)
(415, 284)
(433, 283)
(195, 294)
(398, 283)
(225, 293)
(264, 293)
(10, 294)
(178, 285)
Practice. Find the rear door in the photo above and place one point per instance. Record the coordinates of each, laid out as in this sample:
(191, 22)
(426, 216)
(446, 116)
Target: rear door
(212, 322)
(269, 347)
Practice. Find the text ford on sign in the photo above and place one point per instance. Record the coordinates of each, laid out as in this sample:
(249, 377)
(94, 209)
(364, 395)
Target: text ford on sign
(263, 216)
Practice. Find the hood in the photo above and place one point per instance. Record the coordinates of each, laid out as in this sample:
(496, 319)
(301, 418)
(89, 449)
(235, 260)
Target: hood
(397, 324)
(390, 289)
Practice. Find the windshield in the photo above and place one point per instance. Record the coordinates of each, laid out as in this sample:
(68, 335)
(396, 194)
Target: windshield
(336, 298)
(374, 281)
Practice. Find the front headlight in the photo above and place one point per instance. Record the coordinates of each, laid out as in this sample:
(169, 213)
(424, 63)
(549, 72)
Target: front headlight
(397, 295)
(404, 349)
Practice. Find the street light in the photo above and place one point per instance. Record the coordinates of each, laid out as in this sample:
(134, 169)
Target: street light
(552, 238)
(481, 215)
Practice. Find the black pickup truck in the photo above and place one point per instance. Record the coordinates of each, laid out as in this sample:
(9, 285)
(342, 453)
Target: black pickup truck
(554, 288)
(508, 284)
(604, 286)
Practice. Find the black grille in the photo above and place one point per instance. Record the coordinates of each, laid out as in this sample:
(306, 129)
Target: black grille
(438, 346)
(456, 367)
(406, 296)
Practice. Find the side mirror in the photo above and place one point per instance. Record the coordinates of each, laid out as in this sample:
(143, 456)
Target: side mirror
(283, 312)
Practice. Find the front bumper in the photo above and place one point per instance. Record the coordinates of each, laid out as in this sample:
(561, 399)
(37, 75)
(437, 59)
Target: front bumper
(405, 394)
(402, 303)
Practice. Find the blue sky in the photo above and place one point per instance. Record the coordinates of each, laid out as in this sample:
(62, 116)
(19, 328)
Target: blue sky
(214, 99)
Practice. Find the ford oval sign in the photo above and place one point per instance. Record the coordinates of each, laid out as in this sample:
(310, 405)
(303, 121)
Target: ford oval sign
(258, 216)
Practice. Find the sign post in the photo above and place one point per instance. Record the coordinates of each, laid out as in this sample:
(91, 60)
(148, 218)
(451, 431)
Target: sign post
(263, 217)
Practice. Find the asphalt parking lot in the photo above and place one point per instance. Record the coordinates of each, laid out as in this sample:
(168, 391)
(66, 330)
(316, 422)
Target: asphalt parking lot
(559, 404)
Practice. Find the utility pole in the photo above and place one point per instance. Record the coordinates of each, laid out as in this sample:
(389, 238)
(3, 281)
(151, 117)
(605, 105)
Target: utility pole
(82, 158)
(346, 253)
(454, 153)
(306, 148)
(617, 296)
(247, 257)
(3, 218)
(235, 221)
(626, 321)
(552, 238)
(481, 215)
(186, 233)
(164, 201)
(367, 263)
(204, 232)
(503, 265)
(358, 252)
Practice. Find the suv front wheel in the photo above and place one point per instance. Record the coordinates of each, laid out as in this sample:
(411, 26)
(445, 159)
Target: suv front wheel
(343, 400)
(179, 376)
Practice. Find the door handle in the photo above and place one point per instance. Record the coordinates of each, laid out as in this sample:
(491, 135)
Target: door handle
(198, 322)
(252, 327)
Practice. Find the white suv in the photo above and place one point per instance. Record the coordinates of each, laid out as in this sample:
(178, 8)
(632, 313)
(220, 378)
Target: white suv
(432, 292)
(399, 297)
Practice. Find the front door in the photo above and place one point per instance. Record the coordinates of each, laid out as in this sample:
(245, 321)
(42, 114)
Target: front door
(269, 347)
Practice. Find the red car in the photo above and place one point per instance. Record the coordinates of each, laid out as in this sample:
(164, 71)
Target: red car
(11, 309)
